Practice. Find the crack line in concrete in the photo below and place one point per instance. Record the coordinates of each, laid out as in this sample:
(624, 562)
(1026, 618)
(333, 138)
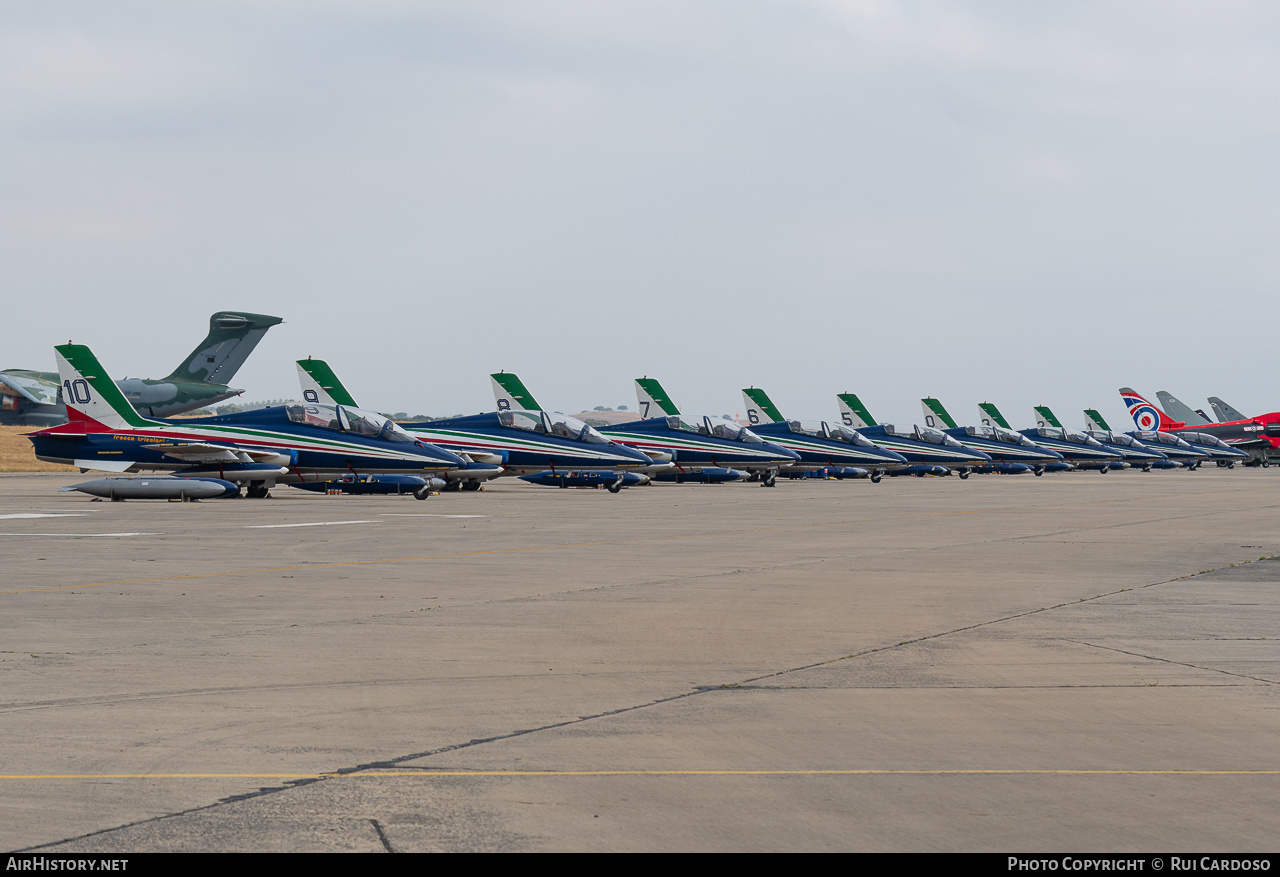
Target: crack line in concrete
(1174, 663)
(391, 762)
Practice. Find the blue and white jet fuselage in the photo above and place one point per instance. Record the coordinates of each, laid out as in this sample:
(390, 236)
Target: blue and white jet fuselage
(288, 443)
(693, 444)
(923, 445)
(530, 442)
(821, 445)
(1005, 446)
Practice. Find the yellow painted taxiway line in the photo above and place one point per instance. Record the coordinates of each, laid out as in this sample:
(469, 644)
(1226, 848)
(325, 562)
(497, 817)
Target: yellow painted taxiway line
(427, 773)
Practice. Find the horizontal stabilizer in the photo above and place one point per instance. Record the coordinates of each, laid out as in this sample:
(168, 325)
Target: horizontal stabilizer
(104, 465)
(36, 390)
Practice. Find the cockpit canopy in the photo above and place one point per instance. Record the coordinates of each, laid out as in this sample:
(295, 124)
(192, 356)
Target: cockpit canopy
(344, 418)
(935, 437)
(547, 423)
(921, 434)
(725, 429)
(1163, 438)
(999, 434)
(1204, 438)
(1112, 437)
(1062, 434)
(825, 430)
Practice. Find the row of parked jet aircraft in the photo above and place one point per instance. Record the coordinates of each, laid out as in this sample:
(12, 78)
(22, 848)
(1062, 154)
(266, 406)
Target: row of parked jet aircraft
(327, 442)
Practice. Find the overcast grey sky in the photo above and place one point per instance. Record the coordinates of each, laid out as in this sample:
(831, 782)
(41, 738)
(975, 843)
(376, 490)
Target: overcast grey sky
(1021, 202)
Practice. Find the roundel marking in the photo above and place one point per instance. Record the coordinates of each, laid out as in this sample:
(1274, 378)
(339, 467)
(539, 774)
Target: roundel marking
(1146, 417)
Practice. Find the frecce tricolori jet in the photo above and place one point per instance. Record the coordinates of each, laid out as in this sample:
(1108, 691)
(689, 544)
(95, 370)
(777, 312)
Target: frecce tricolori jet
(931, 450)
(299, 441)
(700, 449)
(1011, 452)
(821, 445)
(505, 442)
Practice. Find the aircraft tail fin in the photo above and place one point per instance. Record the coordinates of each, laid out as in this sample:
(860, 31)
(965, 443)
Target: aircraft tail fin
(760, 408)
(853, 412)
(1224, 411)
(511, 393)
(936, 415)
(654, 401)
(320, 384)
(232, 337)
(989, 415)
(1145, 415)
(1177, 410)
(91, 397)
(1044, 417)
(1093, 420)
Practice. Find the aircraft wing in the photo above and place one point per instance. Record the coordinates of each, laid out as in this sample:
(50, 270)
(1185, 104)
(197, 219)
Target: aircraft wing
(1247, 443)
(35, 390)
(202, 452)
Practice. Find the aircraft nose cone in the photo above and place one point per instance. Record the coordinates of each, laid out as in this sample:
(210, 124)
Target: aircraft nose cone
(438, 453)
(784, 453)
(631, 455)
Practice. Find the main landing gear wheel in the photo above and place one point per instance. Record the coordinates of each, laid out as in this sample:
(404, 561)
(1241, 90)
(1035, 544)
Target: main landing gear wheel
(422, 492)
(615, 487)
(1105, 469)
(964, 473)
(876, 476)
(769, 479)
(471, 485)
(1039, 470)
(453, 486)
(258, 490)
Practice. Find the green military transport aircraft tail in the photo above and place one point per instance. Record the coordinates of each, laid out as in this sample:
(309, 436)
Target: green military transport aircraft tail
(33, 398)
